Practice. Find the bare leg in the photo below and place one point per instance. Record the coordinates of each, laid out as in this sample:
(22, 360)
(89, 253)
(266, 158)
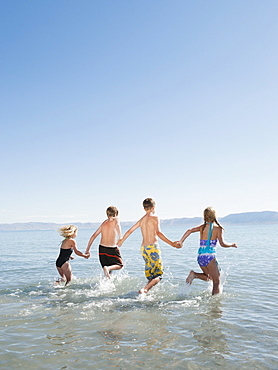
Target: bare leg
(210, 272)
(150, 284)
(214, 276)
(108, 269)
(106, 272)
(114, 267)
(197, 275)
(66, 269)
(63, 278)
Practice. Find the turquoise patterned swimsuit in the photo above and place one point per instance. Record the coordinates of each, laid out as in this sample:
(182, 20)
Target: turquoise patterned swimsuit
(207, 250)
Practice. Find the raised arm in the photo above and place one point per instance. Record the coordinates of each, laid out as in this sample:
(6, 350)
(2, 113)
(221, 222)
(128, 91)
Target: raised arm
(222, 241)
(188, 232)
(126, 235)
(92, 238)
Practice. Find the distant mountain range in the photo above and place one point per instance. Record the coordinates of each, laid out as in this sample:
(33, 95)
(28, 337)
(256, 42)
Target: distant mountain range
(265, 217)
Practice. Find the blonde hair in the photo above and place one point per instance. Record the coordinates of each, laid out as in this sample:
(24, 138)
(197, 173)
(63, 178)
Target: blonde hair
(68, 231)
(148, 203)
(112, 211)
(210, 216)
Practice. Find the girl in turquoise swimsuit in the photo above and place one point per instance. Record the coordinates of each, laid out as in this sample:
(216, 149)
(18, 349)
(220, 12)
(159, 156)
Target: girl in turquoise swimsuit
(210, 232)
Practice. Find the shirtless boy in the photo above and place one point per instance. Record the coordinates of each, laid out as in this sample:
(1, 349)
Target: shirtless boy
(109, 253)
(150, 250)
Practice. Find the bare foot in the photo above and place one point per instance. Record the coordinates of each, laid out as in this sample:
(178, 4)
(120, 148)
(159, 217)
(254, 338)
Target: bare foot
(190, 277)
(143, 291)
(106, 272)
(60, 281)
(150, 284)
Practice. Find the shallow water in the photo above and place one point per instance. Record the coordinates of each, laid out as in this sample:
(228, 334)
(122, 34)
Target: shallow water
(95, 323)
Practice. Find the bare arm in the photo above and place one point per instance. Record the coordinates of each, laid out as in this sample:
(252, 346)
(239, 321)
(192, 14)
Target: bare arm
(222, 242)
(76, 251)
(164, 238)
(188, 232)
(92, 238)
(126, 235)
(118, 229)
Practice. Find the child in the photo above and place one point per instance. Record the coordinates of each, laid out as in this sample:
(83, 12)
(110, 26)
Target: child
(210, 232)
(109, 253)
(67, 247)
(150, 229)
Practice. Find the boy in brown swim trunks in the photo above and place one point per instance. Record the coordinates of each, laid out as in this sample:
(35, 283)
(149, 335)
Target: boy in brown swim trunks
(150, 250)
(109, 253)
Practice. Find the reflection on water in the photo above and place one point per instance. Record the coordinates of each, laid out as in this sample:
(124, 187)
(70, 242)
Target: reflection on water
(63, 339)
(209, 333)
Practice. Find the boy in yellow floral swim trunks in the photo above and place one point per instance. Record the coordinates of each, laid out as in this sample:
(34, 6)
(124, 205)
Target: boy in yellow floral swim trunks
(150, 250)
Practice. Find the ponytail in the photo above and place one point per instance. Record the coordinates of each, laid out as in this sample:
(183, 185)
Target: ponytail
(210, 216)
(219, 224)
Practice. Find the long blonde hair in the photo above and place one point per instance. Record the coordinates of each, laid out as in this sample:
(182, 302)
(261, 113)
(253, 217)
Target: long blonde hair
(210, 216)
(68, 231)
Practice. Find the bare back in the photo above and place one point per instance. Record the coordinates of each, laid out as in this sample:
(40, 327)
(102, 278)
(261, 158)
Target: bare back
(204, 233)
(149, 228)
(68, 243)
(110, 232)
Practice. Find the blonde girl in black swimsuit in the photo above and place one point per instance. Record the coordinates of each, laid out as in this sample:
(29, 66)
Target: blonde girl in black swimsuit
(68, 245)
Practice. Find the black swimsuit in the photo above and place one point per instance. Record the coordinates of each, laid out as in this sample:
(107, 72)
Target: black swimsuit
(64, 256)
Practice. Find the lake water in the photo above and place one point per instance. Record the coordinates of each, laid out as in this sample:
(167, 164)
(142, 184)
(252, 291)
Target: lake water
(95, 323)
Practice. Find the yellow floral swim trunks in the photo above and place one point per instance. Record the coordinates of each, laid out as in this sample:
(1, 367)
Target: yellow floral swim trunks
(153, 262)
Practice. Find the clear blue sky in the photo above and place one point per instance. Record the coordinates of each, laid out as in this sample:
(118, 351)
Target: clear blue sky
(107, 102)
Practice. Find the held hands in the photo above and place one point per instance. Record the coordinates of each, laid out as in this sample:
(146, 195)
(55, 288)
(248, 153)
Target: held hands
(119, 242)
(177, 244)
